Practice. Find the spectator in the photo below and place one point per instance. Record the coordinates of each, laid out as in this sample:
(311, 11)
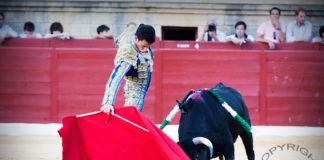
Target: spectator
(272, 31)
(56, 31)
(211, 33)
(319, 38)
(5, 30)
(299, 30)
(131, 24)
(29, 29)
(240, 36)
(103, 33)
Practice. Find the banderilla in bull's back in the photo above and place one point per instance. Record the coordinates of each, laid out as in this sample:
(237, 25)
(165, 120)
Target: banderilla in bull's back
(228, 108)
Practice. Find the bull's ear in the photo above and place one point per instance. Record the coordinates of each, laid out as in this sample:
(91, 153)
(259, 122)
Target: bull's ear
(186, 106)
(184, 109)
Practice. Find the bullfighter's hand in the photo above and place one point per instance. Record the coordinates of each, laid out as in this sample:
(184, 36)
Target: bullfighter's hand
(107, 108)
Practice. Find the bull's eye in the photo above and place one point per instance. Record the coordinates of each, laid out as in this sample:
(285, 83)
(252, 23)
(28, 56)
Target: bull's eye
(184, 109)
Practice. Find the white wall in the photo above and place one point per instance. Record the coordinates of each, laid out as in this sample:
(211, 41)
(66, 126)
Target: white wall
(80, 18)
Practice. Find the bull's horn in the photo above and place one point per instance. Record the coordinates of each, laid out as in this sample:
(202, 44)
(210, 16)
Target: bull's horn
(205, 141)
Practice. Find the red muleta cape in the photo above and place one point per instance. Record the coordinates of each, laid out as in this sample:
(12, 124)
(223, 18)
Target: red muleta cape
(103, 137)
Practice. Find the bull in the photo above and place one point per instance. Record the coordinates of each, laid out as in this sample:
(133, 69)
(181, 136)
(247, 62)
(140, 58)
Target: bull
(207, 130)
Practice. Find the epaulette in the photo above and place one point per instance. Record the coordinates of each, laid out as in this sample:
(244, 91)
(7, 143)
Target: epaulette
(127, 54)
(125, 36)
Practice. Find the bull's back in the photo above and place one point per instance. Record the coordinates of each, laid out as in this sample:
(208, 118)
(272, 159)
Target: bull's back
(231, 96)
(235, 100)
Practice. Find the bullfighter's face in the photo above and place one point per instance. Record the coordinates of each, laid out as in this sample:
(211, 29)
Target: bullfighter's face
(142, 45)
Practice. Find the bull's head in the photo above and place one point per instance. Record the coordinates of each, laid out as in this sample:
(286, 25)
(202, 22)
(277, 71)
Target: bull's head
(204, 148)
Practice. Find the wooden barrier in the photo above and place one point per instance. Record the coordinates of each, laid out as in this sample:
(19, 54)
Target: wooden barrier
(44, 83)
(183, 70)
(59, 43)
(67, 43)
(25, 78)
(246, 46)
(295, 88)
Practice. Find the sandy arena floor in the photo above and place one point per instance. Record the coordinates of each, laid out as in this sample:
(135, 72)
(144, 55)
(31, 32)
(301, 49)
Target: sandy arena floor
(266, 148)
(41, 142)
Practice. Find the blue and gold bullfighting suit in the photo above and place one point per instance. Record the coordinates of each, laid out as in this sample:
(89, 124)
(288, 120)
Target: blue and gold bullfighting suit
(136, 67)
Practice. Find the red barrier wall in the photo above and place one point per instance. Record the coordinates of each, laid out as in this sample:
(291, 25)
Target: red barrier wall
(43, 84)
(182, 70)
(26, 82)
(58, 43)
(295, 88)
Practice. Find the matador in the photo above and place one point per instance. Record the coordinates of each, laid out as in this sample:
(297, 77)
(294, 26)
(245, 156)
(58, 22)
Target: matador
(134, 63)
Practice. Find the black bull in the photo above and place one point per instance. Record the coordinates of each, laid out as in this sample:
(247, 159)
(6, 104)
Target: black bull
(205, 117)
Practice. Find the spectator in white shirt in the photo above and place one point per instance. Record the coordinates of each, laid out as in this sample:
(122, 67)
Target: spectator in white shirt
(240, 35)
(299, 30)
(211, 33)
(5, 30)
(29, 29)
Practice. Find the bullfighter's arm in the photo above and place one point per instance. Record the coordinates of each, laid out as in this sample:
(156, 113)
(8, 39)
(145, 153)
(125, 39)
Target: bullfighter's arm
(114, 82)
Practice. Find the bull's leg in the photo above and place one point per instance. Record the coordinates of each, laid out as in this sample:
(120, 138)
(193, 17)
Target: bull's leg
(248, 144)
(228, 150)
